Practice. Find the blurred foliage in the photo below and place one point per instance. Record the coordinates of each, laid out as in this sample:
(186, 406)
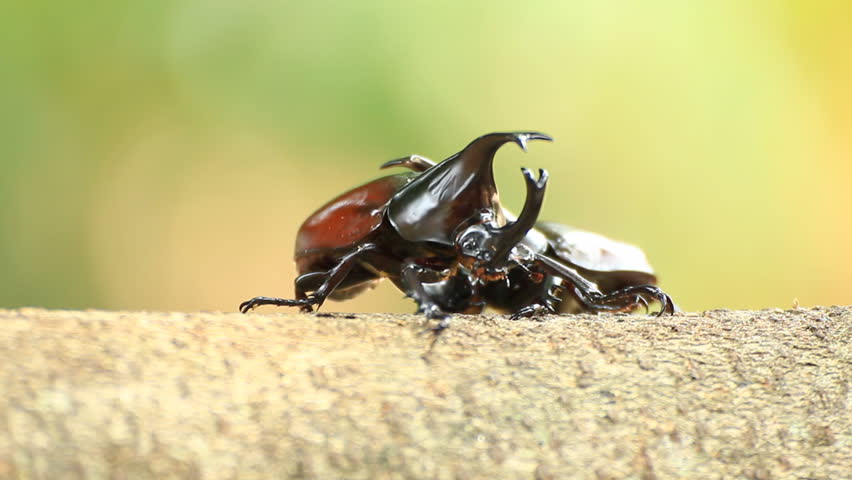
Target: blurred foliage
(161, 154)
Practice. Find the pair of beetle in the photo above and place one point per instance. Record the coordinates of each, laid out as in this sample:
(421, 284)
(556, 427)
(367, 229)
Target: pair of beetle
(439, 233)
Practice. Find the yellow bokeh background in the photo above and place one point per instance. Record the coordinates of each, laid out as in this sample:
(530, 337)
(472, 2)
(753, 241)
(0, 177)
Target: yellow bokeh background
(162, 154)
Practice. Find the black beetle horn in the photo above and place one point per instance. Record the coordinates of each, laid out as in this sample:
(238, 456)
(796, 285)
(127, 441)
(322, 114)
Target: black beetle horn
(514, 232)
(431, 207)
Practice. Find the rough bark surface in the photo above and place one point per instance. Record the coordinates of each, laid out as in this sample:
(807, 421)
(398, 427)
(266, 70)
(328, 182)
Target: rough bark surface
(719, 394)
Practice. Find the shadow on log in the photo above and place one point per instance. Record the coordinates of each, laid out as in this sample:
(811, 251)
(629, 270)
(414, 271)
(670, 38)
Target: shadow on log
(719, 394)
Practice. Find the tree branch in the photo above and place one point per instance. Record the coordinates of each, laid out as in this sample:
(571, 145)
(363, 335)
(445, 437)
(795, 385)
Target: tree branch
(150, 395)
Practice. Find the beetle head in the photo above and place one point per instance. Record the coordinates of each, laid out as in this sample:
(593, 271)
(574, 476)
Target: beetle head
(436, 202)
(478, 243)
(485, 247)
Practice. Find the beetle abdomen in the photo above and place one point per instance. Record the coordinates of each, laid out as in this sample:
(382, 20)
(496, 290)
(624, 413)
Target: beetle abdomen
(350, 217)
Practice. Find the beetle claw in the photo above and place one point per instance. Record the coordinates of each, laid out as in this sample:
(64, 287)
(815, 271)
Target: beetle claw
(627, 299)
(644, 303)
(524, 312)
(255, 302)
(668, 305)
(431, 310)
(532, 310)
(642, 295)
(437, 329)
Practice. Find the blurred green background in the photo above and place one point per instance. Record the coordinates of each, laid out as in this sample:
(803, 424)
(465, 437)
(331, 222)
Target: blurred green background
(161, 154)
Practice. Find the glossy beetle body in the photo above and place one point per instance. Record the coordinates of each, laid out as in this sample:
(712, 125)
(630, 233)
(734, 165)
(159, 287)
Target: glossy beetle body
(439, 233)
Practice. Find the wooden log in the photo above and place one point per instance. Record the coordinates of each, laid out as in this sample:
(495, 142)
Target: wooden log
(719, 394)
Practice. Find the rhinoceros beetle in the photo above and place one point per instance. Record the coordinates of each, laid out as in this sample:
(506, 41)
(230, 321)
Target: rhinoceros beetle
(440, 234)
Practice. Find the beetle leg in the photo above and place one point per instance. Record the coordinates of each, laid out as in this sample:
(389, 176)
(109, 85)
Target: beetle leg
(279, 302)
(592, 299)
(333, 278)
(543, 305)
(438, 293)
(309, 282)
(632, 297)
(415, 288)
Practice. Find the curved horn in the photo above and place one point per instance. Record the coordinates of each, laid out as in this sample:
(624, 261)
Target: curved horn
(431, 206)
(512, 234)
